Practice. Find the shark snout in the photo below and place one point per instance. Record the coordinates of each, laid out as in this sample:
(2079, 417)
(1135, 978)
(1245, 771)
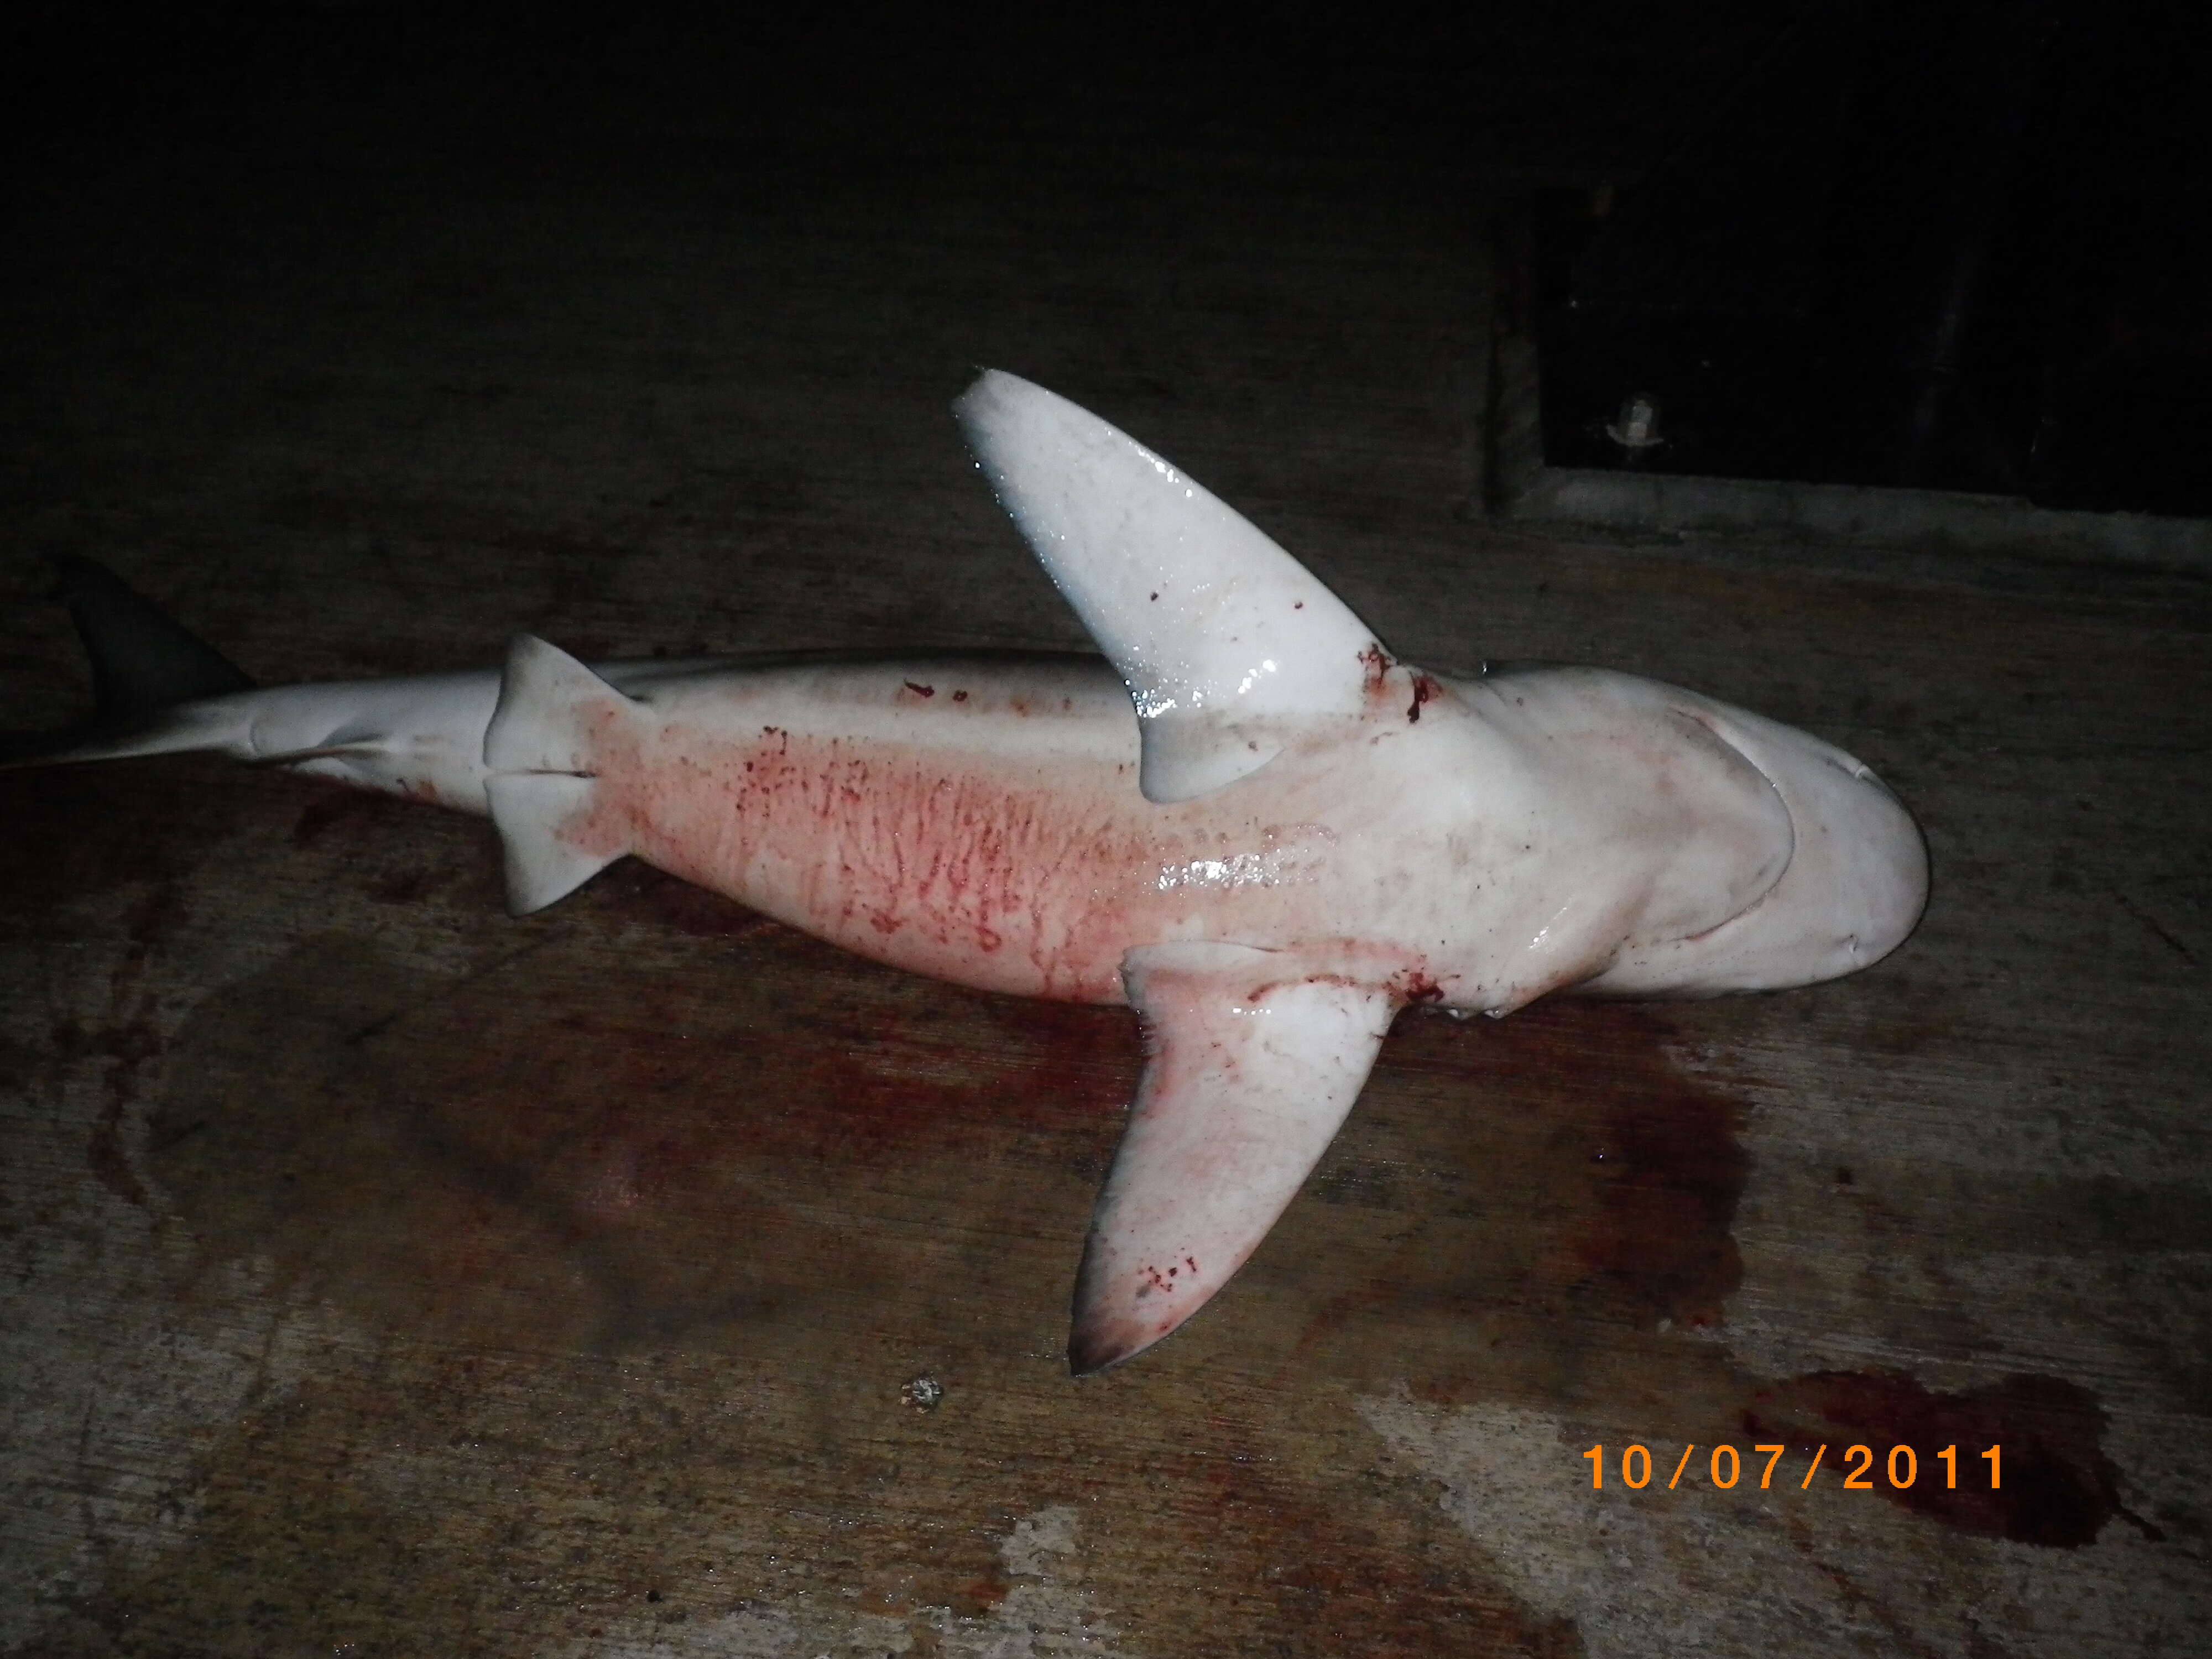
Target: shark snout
(1857, 879)
(1884, 871)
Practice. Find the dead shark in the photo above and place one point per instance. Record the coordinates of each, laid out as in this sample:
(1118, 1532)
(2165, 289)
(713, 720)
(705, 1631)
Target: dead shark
(1295, 837)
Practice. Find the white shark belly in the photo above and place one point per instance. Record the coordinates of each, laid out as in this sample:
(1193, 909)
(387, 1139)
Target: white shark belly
(977, 820)
(981, 822)
(420, 736)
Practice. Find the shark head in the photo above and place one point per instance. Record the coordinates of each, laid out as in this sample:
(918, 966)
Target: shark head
(1852, 892)
(1858, 879)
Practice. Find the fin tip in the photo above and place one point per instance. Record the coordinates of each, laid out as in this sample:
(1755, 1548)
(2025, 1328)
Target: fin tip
(1090, 1352)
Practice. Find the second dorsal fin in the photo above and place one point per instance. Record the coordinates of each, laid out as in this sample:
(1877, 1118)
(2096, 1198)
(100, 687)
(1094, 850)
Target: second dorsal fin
(1223, 638)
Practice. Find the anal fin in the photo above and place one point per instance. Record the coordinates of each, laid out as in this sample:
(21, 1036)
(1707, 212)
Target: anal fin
(543, 782)
(1255, 1064)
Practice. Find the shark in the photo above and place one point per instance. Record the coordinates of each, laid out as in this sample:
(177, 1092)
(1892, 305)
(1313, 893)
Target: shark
(1246, 820)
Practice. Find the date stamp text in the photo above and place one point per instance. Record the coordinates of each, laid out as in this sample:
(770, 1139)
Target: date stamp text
(1724, 1466)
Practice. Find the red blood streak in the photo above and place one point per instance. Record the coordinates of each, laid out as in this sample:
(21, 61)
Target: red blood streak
(1425, 688)
(1377, 664)
(1031, 879)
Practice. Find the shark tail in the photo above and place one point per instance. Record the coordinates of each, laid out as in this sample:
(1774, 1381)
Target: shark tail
(152, 678)
(543, 784)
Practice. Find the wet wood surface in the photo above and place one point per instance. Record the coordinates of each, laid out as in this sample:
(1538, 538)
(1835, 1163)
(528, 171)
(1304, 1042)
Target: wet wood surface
(386, 1275)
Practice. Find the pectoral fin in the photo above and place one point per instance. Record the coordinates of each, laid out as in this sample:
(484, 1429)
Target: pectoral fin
(1254, 1065)
(1224, 640)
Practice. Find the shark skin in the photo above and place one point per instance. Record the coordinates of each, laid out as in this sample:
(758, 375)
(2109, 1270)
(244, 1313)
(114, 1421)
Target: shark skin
(1295, 837)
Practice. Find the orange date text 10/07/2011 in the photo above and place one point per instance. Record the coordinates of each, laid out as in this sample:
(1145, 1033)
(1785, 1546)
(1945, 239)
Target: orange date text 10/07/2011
(1724, 1467)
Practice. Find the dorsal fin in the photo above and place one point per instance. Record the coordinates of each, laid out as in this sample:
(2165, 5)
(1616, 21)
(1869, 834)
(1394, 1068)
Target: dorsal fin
(1222, 637)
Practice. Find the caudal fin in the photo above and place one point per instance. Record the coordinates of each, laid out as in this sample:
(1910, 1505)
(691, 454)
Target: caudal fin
(145, 664)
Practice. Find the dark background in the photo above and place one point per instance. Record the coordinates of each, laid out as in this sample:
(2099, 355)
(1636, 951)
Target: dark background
(1849, 241)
